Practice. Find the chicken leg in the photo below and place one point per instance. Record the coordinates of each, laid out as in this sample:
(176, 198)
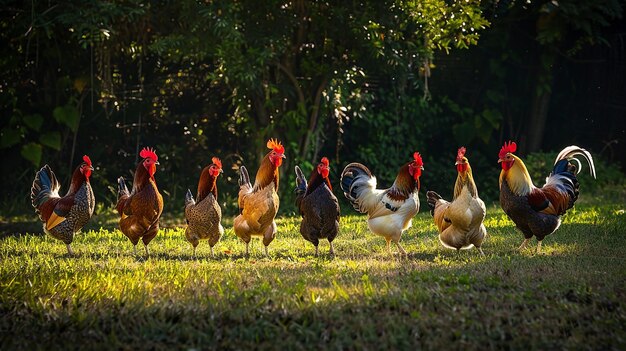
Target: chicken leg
(523, 246)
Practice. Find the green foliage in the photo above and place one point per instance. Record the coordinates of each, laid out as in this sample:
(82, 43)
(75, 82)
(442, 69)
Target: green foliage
(32, 152)
(433, 299)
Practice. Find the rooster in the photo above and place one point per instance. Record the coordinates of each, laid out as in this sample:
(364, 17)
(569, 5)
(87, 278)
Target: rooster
(389, 211)
(537, 211)
(141, 208)
(460, 222)
(204, 216)
(258, 204)
(63, 216)
(318, 206)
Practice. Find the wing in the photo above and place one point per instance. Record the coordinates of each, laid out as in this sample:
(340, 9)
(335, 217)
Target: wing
(60, 211)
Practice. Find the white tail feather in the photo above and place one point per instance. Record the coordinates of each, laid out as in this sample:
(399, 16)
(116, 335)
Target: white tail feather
(573, 150)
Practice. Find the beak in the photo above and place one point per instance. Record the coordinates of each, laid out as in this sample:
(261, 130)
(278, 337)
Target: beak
(221, 170)
(457, 163)
(91, 168)
(157, 163)
(500, 160)
(283, 156)
(422, 168)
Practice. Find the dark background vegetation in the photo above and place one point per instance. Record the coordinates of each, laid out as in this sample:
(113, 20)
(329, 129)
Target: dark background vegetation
(366, 81)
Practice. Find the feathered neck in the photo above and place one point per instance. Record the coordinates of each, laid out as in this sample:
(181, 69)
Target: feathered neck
(206, 185)
(465, 179)
(404, 185)
(267, 174)
(315, 181)
(78, 179)
(518, 178)
(142, 178)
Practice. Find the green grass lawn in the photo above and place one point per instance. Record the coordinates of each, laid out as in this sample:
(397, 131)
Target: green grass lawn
(572, 296)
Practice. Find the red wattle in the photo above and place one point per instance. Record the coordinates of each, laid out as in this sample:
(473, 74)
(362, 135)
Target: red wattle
(506, 165)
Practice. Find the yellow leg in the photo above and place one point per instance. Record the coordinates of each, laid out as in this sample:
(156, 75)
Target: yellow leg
(538, 246)
(331, 251)
(388, 247)
(147, 251)
(400, 248)
(69, 250)
(523, 246)
(212, 254)
(266, 253)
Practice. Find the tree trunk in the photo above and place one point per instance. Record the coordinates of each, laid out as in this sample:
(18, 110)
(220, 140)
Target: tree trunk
(540, 105)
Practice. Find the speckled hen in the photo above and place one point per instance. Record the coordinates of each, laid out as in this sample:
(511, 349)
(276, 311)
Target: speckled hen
(203, 214)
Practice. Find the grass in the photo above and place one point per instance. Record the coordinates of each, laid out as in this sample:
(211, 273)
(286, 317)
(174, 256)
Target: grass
(572, 296)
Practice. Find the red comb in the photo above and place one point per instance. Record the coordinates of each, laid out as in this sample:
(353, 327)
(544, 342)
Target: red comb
(460, 153)
(506, 148)
(276, 146)
(325, 161)
(149, 153)
(418, 158)
(87, 160)
(217, 162)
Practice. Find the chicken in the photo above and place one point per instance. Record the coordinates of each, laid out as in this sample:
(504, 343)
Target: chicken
(389, 211)
(460, 222)
(63, 216)
(537, 211)
(317, 205)
(204, 216)
(141, 208)
(258, 204)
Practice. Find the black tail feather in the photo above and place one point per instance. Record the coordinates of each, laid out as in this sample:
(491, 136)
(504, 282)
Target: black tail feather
(121, 188)
(244, 177)
(350, 174)
(301, 183)
(44, 186)
(189, 198)
(432, 198)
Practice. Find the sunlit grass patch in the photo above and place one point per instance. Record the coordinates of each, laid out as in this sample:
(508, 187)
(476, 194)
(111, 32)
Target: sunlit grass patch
(110, 298)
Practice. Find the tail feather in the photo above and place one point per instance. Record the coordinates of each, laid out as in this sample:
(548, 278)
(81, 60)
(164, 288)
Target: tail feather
(357, 182)
(301, 183)
(189, 200)
(122, 195)
(244, 177)
(301, 186)
(569, 152)
(563, 178)
(432, 198)
(121, 188)
(45, 186)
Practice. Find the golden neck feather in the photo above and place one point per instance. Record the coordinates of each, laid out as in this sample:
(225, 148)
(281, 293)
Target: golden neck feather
(518, 178)
(465, 179)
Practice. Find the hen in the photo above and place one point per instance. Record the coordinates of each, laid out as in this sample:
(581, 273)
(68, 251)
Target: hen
(460, 222)
(63, 216)
(537, 211)
(258, 204)
(389, 211)
(141, 208)
(317, 205)
(204, 216)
